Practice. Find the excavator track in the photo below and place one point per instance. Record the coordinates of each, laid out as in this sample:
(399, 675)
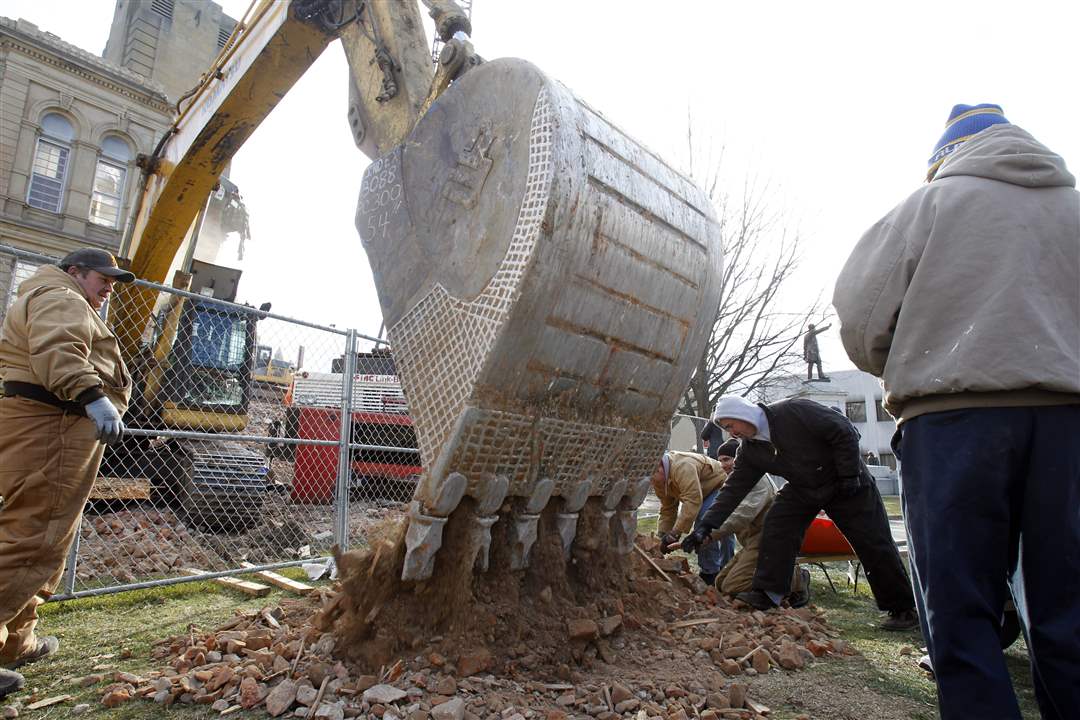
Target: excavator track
(222, 485)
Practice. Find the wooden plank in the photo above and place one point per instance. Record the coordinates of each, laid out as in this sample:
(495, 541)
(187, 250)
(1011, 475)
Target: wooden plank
(47, 702)
(757, 707)
(748, 655)
(281, 581)
(248, 588)
(692, 623)
(652, 562)
(110, 488)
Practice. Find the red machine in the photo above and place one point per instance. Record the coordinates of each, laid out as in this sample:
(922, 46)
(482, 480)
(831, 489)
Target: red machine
(824, 538)
(379, 418)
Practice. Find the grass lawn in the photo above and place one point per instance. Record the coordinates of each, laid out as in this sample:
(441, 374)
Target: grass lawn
(117, 632)
(887, 671)
(892, 505)
(113, 633)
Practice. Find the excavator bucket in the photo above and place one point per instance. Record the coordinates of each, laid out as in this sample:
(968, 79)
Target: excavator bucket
(548, 285)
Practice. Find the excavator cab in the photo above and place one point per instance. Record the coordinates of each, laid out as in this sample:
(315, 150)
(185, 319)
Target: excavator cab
(207, 384)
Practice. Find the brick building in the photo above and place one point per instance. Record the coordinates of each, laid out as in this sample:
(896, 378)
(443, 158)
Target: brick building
(72, 124)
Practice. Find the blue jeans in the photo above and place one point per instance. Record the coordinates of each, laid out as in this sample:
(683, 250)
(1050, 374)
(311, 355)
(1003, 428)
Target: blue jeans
(992, 504)
(714, 554)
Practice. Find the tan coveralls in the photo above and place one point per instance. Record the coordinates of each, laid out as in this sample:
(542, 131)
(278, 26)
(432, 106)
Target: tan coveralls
(746, 523)
(690, 479)
(49, 457)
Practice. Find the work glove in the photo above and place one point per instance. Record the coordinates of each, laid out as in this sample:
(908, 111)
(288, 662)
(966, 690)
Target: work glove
(110, 428)
(848, 486)
(696, 539)
(666, 539)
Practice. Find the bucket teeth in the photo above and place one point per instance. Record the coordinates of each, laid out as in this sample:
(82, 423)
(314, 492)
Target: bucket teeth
(522, 538)
(566, 526)
(490, 494)
(540, 495)
(614, 494)
(623, 530)
(635, 494)
(422, 541)
(575, 497)
(451, 490)
(482, 537)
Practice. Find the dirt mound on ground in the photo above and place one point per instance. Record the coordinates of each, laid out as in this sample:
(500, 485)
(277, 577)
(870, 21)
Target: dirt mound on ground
(601, 636)
(519, 617)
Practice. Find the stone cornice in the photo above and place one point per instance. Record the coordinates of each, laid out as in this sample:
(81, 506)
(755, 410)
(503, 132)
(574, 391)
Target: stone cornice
(27, 39)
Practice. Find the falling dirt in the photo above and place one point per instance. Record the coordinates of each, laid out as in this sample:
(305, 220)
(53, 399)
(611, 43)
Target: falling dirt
(376, 615)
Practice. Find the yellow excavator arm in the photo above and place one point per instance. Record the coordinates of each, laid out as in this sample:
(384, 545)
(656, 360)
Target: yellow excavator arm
(273, 45)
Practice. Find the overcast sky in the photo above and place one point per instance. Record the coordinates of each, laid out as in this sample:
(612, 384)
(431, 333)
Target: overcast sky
(836, 105)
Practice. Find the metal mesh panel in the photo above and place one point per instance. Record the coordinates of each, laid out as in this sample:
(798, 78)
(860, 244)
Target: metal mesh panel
(444, 341)
(235, 442)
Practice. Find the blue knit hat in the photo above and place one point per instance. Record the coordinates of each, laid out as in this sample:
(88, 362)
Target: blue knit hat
(964, 121)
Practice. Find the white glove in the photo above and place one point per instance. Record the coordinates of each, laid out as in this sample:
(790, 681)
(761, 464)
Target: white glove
(110, 427)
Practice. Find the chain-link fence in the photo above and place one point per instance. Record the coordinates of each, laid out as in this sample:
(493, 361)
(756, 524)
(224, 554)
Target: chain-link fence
(253, 439)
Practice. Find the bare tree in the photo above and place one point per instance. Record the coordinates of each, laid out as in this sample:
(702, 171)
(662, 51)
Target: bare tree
(755, 340)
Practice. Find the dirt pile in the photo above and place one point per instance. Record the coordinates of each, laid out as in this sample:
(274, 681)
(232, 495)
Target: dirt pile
(600, 636)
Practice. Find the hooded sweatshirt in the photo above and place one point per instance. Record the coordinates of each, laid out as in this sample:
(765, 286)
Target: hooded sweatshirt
(734, 407)
(52, 337)
(967, 294)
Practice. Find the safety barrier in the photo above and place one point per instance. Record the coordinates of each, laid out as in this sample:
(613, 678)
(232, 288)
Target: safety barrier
(255, 441)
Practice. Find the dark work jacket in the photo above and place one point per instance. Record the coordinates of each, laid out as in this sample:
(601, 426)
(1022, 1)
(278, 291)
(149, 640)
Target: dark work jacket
(812, 447)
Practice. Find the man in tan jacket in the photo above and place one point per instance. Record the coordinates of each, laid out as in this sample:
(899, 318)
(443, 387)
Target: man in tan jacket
(686, 484)
(65, 390)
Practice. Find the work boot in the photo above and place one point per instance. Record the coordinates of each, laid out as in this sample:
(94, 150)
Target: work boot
(900, 620)
(10, 681)
(756, 599)
(709, 578)
(45, 646)
(801, 597)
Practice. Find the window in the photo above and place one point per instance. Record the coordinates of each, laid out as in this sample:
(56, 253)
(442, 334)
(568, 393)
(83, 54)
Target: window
(223, 35)
(888, 459)
(109, 182)
(855, 411)
(20, 271)
(164, 8)
(218, 340)
(50, 163)
(879, 410)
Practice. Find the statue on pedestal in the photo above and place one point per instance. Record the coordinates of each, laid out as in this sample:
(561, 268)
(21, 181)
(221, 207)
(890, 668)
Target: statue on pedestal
(811, 353)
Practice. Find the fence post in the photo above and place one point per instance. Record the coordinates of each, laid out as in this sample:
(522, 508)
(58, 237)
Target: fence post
(72, 561)
(341, 497)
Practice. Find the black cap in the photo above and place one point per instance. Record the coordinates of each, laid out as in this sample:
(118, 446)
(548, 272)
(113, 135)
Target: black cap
(728, 449)
(99, 260)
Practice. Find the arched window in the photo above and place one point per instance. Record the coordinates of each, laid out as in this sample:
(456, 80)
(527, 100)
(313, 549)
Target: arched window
(50, 163)
(109, 182)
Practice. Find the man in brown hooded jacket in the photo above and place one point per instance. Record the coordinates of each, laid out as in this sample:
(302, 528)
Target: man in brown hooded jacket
(965, 300)
(65, 389)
